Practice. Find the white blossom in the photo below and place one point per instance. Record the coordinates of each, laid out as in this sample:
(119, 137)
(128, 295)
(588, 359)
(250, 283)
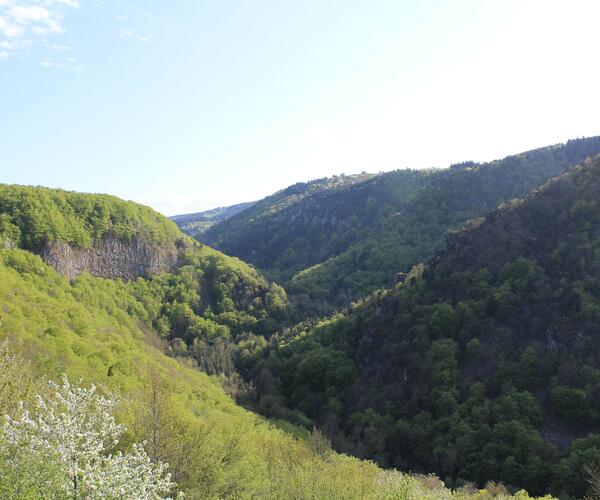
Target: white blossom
(75, 429)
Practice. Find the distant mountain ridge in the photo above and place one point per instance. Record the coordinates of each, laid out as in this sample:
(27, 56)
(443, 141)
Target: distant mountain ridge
(331, 244)
(194, 224)
(307, 223)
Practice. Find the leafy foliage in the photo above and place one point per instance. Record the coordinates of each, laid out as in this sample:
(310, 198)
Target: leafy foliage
(483, 367)
(65, 449)
(308, 223)
(203, 307)
(31, 217)
(417, 229)
(96, 329)
(210, 304)
(487, 367)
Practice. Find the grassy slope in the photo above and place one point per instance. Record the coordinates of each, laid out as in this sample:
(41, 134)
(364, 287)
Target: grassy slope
(84, 329)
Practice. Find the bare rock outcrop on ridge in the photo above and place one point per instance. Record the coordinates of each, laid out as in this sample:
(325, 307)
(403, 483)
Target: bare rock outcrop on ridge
(111, 258)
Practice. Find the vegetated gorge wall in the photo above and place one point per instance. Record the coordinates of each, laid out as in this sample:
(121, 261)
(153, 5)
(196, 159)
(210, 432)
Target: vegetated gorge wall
(111, 258)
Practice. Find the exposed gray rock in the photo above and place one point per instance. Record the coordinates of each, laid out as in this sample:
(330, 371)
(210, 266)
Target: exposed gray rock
(111, 258)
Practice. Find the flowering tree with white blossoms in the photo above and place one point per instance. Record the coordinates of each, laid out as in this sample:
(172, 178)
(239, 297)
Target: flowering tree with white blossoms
(68, 441)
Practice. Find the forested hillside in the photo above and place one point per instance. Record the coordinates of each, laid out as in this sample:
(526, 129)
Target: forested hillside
(446, 373)
(197, 223)
(389, 287)
(97, 329)
(295, 228)
(334, 246)
(32, 217)
(203, 304)
(114, 333)
(484, 365)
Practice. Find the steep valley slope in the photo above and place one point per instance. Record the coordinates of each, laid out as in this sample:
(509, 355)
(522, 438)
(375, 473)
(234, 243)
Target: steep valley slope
(148, 332)
(333, 241)
(485, 363)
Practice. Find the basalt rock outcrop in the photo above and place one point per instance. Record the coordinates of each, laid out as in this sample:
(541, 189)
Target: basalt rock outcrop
(111, 258)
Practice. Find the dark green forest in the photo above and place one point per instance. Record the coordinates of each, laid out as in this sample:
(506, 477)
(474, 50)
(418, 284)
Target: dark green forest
(292, 229)
(334, 244)
(485, 363)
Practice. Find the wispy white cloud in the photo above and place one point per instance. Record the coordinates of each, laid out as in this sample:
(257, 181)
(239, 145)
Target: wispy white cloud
(130, 34)
(22, 23)
(9, 28)
(60, 47)
(124, 33)
(29, 14)
(67, 63)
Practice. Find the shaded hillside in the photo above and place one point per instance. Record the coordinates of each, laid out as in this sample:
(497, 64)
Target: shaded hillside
(298, 226)
(197, 223)
(416, 231)
(331, 245)
(487, 366)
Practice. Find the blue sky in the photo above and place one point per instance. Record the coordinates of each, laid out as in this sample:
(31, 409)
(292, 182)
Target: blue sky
(188, 104)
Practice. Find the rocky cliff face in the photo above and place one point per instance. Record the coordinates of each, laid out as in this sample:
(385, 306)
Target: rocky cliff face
(111, 258)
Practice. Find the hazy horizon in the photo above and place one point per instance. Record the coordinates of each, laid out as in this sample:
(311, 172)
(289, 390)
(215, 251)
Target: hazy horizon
(195, 105)
(214, 207)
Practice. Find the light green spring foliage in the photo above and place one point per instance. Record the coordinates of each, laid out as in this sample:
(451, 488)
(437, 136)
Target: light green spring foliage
(210, 296)
(204, 307)
(30, 217)
(95, 329)
(65, 448)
